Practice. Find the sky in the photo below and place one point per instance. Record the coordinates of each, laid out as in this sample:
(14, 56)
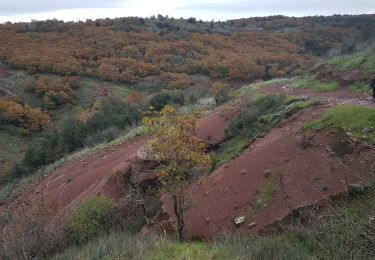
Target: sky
(75, 10)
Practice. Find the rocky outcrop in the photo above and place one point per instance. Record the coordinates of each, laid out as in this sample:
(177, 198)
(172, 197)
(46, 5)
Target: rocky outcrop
(162, 223)
(145, 153)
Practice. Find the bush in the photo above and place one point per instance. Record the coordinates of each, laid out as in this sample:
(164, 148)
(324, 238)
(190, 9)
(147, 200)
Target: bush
(114, 113)
(221, 92)
(90, 219)
(27, 119)
(54, 91)
(44, 150)
(113, 117)
(73, 132)
(160, 100)
(24, 235)
(257, 114)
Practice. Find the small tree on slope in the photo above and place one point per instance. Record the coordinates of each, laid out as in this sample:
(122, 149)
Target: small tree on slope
(181, 157)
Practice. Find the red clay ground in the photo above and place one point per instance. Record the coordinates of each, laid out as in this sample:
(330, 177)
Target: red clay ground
(304, 176)
(211, 129)
(73, 183)
(101, 173)
(306, 171)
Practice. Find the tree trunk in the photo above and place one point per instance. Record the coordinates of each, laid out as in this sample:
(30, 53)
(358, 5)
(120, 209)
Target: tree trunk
(178, 206)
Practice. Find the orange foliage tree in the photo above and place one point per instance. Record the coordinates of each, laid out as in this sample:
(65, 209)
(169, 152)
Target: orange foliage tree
(26, 118)
(181, 157)
(54, 91)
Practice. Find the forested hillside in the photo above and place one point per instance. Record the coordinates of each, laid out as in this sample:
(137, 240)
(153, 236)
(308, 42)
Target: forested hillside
(118, 136)
(132, 49)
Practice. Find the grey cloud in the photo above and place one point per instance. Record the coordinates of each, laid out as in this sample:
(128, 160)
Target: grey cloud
(286, 6)
(14, 7)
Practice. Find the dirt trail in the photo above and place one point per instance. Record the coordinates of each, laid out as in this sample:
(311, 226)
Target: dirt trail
(339, 97)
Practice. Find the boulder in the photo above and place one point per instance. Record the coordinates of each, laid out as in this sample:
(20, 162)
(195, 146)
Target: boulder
(351, 77)
(123, 169)
(162, 223)
(144, 179)
(145, 153)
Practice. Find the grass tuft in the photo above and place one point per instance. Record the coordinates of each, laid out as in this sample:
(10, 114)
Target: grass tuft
(364, 61)
(315, 85)
(357, 121)
(255, 87)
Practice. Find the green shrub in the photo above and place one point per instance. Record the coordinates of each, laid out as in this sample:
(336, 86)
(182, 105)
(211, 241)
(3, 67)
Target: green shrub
(160, 100)
(230, 149)
(256, 115)
(45, 150)
(114, 117)
(107, 135)
(90, 219)
(114, 113)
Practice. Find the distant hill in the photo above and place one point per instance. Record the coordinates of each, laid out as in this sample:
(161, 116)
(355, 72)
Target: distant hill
(132, 49)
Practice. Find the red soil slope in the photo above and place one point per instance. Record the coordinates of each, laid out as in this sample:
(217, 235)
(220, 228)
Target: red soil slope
(305, 176)
(103, 172)
(211, 129)
(71, 184)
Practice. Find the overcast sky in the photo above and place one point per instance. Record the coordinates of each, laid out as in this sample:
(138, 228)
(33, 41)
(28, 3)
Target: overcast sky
(74, 10)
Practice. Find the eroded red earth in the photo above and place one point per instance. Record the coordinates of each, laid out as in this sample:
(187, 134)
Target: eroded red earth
(304, 170)
(303, 176)
(104, 171)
